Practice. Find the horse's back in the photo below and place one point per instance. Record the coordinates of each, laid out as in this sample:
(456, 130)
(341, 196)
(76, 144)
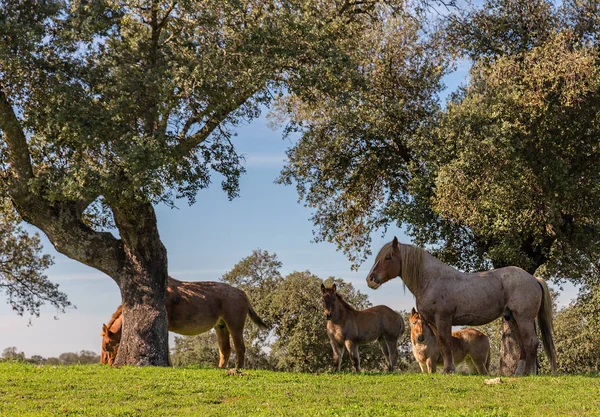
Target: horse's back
(471, 336)
(480, 297)
(387, 320)
(196, 306)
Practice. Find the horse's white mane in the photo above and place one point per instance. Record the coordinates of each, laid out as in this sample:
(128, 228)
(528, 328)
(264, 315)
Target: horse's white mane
(411, 262)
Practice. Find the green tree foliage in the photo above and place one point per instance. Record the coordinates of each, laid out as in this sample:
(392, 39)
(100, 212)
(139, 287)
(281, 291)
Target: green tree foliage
(577, 329)
(518, 156)
(21, 270)
(83, 357)
(67, 358)
(360, 147)
(200, 350)
(504, 174)
(12, 354)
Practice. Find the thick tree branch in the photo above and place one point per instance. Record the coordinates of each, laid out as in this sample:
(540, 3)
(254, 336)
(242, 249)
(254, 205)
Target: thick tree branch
(61, 222)
(18, 151)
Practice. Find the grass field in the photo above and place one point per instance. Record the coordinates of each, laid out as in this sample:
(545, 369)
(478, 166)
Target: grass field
(95, 390)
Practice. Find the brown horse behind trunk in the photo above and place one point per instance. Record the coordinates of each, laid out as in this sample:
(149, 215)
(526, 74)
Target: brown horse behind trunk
(468, 345)
(194, 308)
(349, 327)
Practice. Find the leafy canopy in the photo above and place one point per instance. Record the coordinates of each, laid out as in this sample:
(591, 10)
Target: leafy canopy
(504, 174)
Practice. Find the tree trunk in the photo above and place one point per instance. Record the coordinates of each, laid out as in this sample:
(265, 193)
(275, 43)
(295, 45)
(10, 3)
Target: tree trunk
(509, 349)
(143, 283)
(144, 339)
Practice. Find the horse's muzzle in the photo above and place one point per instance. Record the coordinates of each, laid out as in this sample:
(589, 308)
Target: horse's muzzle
(373, 282)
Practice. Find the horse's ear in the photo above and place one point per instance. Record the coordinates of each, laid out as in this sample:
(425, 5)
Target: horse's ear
(395, 243)
(333, 288)
(104, 330)
(413, 312)
(323, 289)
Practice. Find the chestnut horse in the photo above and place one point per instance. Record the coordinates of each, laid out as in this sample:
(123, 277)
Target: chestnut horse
(194, 308)
(447, 297)
(347, 326)
(468, 345)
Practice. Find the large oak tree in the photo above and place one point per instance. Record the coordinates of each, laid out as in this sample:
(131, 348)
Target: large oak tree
(110, 107)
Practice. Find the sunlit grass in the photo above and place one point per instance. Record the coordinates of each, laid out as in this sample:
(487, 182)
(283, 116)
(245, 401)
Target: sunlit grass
(95, 390)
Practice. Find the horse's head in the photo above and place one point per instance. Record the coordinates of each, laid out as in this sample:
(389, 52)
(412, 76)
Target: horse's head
(110, 345)
(387, 265)
(329, 299)
(416, 327)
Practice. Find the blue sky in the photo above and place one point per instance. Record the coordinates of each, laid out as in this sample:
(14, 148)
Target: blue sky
(203, 242)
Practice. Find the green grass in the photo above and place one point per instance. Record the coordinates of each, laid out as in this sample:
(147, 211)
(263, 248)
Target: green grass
(95, 390)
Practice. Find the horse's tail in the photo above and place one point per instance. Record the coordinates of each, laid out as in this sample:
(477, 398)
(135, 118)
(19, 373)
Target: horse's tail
(545, 322)
(255, 317)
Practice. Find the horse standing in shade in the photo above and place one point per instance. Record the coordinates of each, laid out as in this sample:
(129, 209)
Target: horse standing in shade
(446, 297)
(468, 345)
(194, 308)
(349, 327)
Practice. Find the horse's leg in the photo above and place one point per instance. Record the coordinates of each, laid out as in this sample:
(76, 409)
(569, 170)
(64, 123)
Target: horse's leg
(477, 361)
(423, 367)
(480, 366)
(240, 347)
(392, 347)
(431, 366)
(338, 353)
(472, 365)
(223, 343)
(384, 349)
(353, 351)
(443, 335)
(528, 345)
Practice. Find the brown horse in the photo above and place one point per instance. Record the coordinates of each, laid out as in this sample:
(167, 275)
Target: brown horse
(349, 327)
(468, 345)
(446, 297)
(194, 308)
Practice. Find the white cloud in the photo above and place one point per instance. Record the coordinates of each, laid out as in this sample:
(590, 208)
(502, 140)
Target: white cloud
(258, 160)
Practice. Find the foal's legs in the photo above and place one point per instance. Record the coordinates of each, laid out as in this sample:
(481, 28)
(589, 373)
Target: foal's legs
(443, 335)
(478, 363)
(223, 343)
(353, 351)
(338, 354)
(384, 349)
(392, 345)
(471, 365)
(386, 354)
(431, 366)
